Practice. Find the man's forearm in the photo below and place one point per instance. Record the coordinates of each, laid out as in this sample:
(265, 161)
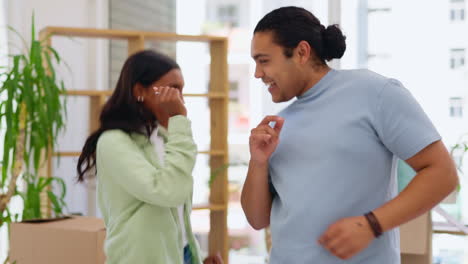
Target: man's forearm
(430, 186)
(256, 197)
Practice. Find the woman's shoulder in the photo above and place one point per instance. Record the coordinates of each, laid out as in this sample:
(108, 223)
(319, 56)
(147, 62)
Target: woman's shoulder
(114, 133)
(113, 137)
(116, 138)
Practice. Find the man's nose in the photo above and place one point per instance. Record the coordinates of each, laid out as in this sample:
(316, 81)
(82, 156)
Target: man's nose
(258, 72)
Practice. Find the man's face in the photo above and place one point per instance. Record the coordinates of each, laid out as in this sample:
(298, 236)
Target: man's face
(280, 73)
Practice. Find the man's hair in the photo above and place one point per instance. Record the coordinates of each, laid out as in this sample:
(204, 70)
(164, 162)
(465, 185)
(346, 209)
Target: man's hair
(290, 25)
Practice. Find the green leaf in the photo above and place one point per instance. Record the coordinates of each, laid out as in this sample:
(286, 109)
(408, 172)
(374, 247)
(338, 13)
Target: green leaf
(44, 182)
(25, 44)
(33, 28)
(56, 205)
(33, 97)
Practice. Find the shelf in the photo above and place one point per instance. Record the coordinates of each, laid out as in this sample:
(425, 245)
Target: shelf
(89, 92)
(217, 95)
(209, 95)
(213, 152)
(126, 34)
(443, 228)
(67, 154)
(212, 207)
(76, 154)
(109, 93)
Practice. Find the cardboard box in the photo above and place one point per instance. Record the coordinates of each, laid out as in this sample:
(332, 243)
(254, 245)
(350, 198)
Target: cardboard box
(77, 240)
(416, 241)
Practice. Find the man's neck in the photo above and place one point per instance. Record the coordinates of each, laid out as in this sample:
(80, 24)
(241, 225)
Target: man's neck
(315, 75)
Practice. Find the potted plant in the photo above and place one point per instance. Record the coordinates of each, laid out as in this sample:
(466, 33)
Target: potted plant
(31, 116)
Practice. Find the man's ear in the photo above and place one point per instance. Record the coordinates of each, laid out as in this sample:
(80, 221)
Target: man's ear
(303, 51)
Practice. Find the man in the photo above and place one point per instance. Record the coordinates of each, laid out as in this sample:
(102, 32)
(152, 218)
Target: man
(322, 175)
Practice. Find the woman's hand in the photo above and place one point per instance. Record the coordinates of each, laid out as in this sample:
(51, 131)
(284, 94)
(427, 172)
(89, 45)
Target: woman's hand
(213, 259)
(170, 100)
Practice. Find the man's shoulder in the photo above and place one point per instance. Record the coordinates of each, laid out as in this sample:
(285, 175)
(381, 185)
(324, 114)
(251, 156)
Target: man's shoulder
(366, 83)
(363, 76)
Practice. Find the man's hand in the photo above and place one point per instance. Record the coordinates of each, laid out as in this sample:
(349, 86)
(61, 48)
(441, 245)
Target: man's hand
(214, 259)
(264, 139)
(347, 237)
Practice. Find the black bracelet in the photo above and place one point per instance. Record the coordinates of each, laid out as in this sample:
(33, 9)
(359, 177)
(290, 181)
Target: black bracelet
(374, 224)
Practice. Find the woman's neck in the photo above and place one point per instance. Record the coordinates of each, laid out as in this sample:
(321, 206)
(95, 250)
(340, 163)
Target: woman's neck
(164, 123)
(163, 118)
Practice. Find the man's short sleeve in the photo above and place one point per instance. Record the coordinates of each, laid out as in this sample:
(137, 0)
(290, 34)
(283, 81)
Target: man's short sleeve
(401, 123)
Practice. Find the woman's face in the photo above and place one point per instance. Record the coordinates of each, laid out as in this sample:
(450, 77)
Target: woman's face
(173, 79)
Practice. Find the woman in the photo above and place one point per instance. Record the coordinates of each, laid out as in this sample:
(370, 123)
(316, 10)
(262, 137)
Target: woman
(144, 154)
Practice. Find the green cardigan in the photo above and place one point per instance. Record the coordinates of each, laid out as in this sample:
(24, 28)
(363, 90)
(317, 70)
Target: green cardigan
(138, 197)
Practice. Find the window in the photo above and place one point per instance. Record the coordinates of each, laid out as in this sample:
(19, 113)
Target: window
(447, 56)
(457, 58)
(139, 15)
(456, 107)
(457, 10)
(228, 14)
(234, 91)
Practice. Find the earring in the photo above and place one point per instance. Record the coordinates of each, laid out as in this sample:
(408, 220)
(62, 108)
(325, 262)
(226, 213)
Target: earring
(140, 98)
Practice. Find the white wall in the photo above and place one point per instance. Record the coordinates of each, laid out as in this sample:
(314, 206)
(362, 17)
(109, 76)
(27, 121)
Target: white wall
(89, 70)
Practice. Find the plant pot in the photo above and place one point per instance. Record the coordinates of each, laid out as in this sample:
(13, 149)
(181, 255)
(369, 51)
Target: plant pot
(43, 220)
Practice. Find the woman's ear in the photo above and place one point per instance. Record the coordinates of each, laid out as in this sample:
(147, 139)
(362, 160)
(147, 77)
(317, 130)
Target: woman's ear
(138, 90)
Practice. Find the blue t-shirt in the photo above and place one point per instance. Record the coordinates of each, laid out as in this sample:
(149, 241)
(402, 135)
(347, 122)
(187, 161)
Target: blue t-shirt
(336, 159)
